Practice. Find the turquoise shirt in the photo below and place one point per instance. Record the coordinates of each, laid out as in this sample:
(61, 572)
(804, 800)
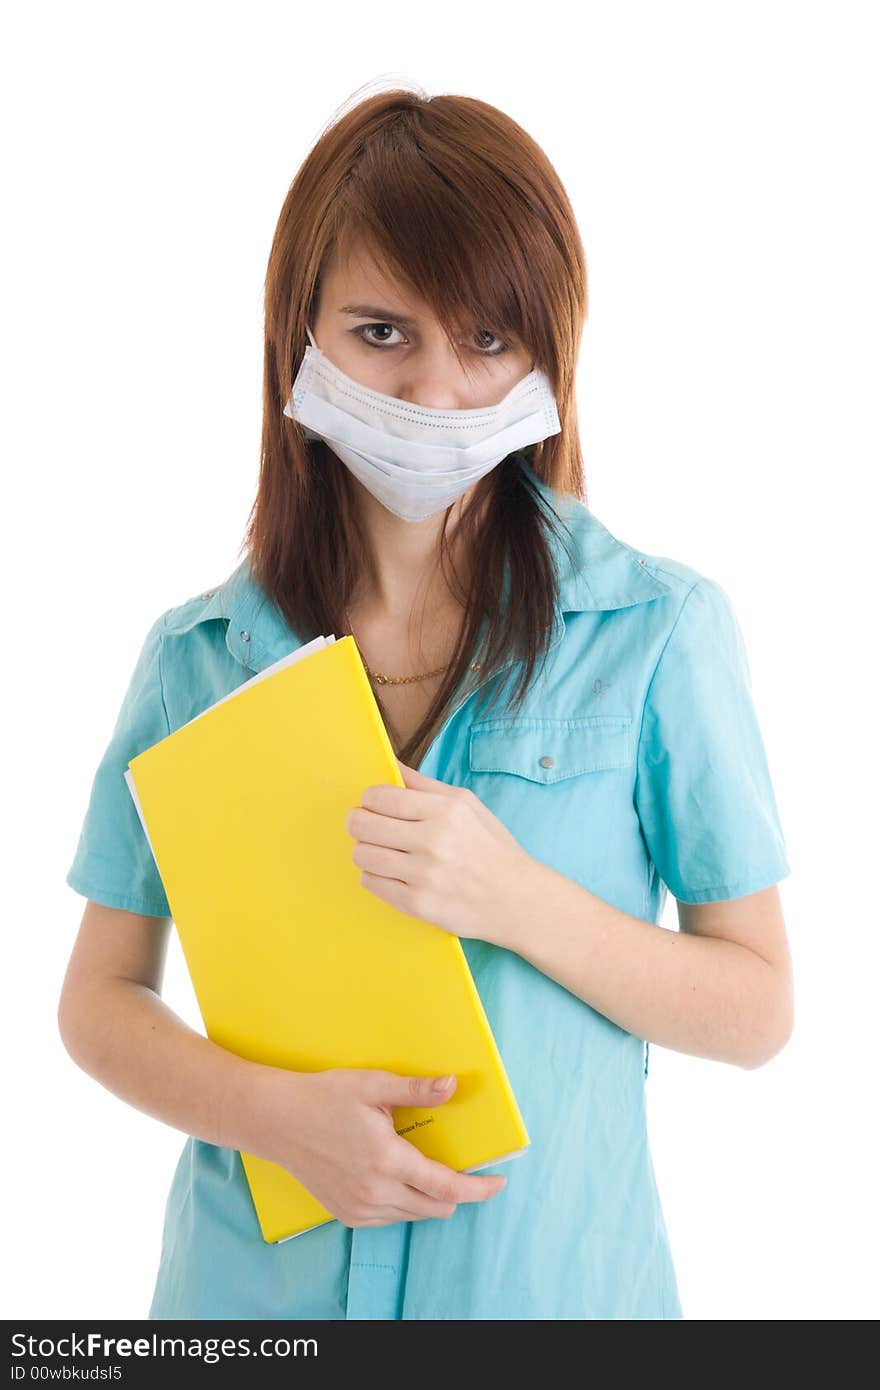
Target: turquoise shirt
(636, 767)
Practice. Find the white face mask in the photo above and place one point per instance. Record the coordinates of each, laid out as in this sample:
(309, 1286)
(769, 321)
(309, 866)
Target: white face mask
(414, 459)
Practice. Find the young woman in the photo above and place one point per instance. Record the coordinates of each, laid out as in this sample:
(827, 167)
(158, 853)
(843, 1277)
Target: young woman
(575, 728)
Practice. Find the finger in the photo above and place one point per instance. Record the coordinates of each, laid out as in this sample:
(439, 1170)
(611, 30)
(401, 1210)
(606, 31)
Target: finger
(389, 1216)
(391, 1090)
(415, 781)
(390, 890)
(406, 1203)
(403, 802)
(374, 829)
(424, 1206)
(413, 1205)
(418, 781)
(444, 1184)
(385, 863)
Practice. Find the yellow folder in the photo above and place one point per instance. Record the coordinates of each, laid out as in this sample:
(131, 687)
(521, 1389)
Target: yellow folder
(293, 962)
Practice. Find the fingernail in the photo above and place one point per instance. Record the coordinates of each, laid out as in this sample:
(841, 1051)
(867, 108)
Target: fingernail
(442, 1083)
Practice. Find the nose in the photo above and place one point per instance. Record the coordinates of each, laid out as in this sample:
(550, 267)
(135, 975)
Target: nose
(436, 379)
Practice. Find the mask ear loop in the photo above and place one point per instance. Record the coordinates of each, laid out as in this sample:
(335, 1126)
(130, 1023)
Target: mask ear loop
(288, 408)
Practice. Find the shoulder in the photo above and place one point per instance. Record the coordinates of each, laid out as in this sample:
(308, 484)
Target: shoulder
(614, 568)
(196, 666)
(677, 576)
(214, 603)
(221, 600)
(688, 612)
(686, 586)
(198, 608)
(698, 636)
(191, 633)
(695, 600)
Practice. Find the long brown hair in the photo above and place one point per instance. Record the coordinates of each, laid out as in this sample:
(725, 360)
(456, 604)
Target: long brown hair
(457, 200)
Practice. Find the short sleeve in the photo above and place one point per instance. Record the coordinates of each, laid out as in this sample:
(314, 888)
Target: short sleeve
(114, 864)
(704, 796)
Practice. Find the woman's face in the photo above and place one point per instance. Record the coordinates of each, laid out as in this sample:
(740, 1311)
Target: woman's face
(378, 334)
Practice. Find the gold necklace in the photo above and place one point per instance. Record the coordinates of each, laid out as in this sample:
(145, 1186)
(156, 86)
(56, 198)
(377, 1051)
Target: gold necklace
(400, 680)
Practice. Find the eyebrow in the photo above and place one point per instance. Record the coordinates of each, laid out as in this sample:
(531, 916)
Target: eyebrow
(370, 311)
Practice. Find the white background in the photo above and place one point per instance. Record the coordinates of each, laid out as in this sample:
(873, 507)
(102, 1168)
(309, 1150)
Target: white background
(721, 160)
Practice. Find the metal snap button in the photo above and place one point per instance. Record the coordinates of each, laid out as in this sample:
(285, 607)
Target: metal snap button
(547, 761)
(641, 562)
(209, 593)
(245, 636)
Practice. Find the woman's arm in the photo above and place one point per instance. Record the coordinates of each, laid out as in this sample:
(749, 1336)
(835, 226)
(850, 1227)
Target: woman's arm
(117, 1028)
(721, 987)
(333, 1129)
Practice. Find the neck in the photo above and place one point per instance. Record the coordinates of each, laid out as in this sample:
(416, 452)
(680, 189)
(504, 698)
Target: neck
(405, 569)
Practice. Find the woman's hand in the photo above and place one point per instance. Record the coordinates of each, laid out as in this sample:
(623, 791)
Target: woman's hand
(334, 1130)
(436, 852)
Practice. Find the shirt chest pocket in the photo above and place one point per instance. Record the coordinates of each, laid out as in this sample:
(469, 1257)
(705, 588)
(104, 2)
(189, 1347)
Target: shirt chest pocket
(549, 751)
(564, 789)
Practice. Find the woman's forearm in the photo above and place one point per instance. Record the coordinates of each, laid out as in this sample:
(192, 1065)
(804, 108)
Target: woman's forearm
(128, 1039)
(704, 996)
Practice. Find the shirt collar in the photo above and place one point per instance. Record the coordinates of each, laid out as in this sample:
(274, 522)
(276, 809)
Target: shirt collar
(597, 572)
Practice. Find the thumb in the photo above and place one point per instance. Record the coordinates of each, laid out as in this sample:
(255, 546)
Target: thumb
(398, 1090)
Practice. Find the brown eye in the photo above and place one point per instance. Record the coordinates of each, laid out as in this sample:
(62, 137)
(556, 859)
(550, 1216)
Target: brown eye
(484, 334)
(366, 328)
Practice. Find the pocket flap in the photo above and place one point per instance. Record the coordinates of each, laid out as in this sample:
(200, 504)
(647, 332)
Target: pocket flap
(547, 750)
